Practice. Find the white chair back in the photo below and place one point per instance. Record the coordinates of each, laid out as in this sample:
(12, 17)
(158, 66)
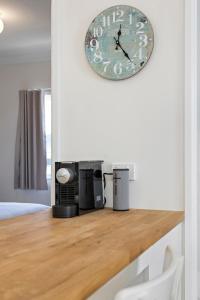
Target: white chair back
(165, 287)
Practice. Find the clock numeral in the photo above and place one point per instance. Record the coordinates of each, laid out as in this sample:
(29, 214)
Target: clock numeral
(106, 64)
(116, 17)
(140, 27)
(98, 57)
(130, 66)
(94, 44)
(106, 21)
(98, 31)
(117, 68)
(143, 40)
(131, 19)
(138, 54)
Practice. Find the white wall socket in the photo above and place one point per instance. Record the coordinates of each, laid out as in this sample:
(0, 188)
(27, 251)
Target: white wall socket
(130, 166)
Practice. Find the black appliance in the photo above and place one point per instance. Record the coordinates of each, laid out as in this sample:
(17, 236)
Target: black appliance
(78, 188)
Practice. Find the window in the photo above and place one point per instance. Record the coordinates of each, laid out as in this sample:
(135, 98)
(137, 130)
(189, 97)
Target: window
(47, 108)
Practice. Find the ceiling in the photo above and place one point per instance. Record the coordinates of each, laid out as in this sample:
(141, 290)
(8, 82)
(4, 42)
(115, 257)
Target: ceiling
(27, 32)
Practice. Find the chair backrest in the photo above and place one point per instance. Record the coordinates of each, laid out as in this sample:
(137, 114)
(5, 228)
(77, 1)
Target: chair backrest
(165, 287)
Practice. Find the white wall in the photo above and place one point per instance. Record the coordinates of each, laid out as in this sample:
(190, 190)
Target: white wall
(198, 94)
(12, 79)
(138, 120)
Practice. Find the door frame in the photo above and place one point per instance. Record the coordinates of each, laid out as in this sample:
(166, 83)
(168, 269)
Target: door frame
(191, 157)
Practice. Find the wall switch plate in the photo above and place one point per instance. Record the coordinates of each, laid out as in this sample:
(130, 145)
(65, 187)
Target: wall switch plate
(130, 166)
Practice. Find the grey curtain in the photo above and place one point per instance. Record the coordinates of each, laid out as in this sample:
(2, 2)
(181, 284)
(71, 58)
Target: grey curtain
(30, 151)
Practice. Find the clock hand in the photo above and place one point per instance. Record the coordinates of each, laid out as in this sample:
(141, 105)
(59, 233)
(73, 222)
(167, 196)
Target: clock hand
(119, 45)
(119, 34)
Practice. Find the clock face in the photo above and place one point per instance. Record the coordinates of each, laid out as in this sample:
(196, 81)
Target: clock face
(119, 42)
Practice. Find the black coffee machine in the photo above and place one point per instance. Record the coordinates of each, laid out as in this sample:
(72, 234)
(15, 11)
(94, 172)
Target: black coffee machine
(78, 188)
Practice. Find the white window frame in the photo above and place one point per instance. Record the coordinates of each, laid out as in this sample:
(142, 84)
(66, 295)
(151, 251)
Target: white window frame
(48, 92)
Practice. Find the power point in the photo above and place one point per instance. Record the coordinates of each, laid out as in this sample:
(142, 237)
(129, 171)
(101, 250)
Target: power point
(130, 166)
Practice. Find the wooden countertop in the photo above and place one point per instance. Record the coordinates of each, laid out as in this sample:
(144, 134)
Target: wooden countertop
(68, 259)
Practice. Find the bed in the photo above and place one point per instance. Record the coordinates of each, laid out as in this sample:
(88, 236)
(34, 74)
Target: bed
(13, 209)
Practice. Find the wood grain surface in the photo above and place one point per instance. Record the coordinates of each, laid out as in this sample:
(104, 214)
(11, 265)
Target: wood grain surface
(68, 259)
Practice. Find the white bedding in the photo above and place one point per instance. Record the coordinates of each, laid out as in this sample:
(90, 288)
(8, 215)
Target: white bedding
(13, 209)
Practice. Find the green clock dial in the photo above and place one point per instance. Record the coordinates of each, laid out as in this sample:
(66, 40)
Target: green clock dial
(119, 42)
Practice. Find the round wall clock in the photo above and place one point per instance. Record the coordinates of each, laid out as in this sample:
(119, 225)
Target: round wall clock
(119, 42)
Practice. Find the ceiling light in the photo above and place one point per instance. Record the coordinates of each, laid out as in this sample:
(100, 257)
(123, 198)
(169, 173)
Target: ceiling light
(1, 26)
